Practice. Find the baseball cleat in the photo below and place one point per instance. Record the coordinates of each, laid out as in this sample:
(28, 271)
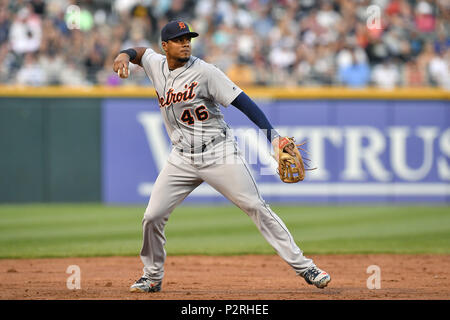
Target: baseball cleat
(146, 285)
(317, 277)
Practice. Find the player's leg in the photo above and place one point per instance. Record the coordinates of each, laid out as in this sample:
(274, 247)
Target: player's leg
(235, 181)
(171, 187)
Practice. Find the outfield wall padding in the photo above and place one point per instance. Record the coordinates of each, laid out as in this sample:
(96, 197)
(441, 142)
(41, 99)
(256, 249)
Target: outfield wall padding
(50, 150)
(22, 151)
(95, 144)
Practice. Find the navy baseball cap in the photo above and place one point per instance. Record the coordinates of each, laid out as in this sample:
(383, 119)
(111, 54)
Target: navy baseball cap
(175, 29)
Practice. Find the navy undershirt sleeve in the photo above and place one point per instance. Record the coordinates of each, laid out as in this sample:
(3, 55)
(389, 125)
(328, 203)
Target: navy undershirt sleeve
(255, 114)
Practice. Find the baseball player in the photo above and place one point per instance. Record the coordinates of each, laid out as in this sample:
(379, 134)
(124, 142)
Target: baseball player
(190, 93)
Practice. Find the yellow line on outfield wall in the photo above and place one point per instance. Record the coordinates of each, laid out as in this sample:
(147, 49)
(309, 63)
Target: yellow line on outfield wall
(255, 92)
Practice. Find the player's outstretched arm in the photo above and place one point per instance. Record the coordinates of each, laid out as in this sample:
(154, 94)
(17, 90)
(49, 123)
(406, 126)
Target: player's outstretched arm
(244, 103)
(133, 55)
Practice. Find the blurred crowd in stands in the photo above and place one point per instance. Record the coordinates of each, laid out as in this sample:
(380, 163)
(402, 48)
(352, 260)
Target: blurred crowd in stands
(309, 43)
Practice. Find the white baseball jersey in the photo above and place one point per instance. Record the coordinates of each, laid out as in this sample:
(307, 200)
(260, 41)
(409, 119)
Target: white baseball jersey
(190, 98)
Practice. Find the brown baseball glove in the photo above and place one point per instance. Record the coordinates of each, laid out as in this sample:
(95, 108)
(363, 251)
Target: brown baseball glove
(291, 165)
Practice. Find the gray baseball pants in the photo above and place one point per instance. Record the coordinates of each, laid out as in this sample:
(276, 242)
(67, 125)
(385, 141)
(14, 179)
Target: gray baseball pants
(232, 178)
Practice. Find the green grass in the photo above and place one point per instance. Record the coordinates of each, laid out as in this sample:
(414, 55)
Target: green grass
(63, 230)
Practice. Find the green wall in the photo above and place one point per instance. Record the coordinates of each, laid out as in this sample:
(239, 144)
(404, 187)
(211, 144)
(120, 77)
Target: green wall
(50, 150)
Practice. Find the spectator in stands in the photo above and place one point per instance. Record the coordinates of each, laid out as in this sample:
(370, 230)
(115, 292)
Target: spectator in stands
(136, 38)
(241, 73)
(356, 74)
(31, 73)
(327, 17)
(323, 66)
(424, 16)
(72, 76)
(413, 76)
(5, 24)
(442, 42)
(344, 57)
(282, 60)
(426, 55)
(25, 33)
(439, 69)
(284, 42)
(377, 51)
(53, 65)
(7, 62)
(386, 74)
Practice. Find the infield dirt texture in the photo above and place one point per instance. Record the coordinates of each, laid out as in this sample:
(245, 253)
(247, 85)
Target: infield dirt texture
(247, 277)
(217, 253)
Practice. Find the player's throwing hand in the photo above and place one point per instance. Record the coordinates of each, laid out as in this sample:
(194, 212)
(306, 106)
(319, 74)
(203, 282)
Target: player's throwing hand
(121, 64)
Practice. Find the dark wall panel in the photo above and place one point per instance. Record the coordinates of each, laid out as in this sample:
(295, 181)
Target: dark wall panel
(74, 149)
(22, 150)
(50, 150)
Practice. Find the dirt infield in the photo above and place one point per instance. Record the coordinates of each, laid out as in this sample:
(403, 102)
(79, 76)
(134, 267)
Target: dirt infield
(229, 278)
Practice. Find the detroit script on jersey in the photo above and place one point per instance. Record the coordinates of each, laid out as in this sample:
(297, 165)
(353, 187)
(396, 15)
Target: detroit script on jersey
(175, 97)
(190, 97)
